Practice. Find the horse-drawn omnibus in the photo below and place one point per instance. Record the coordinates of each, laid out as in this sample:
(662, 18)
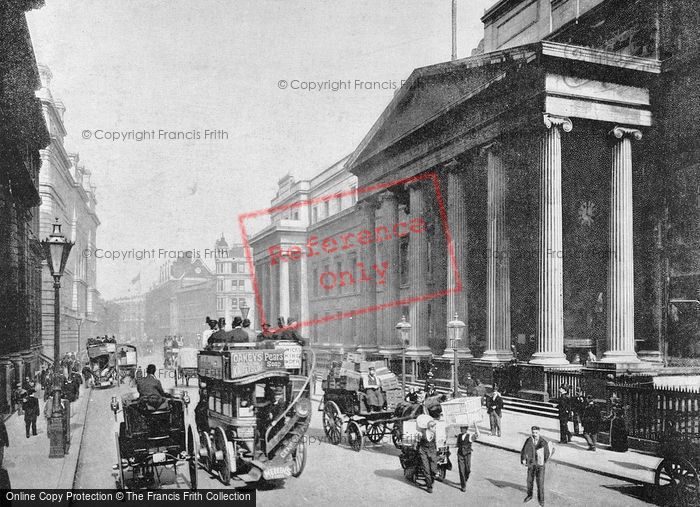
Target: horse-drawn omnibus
(254, 410)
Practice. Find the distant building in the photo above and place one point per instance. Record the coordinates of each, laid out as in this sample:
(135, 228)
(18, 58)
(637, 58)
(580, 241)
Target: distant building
(23, 134)
(67, 194)
(179, 302)
(234, 285)
(131, 318)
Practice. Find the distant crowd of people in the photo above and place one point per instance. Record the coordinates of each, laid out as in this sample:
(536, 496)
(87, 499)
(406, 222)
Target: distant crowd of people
(240, 332)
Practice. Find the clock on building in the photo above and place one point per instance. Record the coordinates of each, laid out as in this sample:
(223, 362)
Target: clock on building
(587, 212)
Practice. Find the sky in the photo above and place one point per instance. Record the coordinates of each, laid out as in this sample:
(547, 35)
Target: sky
(148, 69)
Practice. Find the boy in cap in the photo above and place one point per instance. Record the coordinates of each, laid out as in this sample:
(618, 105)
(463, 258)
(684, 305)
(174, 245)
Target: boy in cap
(464, 453)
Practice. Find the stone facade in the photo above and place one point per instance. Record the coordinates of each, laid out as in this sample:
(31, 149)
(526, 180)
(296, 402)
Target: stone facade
(68, 195)
(22, 134)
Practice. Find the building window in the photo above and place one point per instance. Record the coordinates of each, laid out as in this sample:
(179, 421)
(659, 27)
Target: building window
(234, 285)
(295, 215)
(219, 303)
(220, 285)
(326, 209)
(219, 267)
(403, 260)
(314, 215)
(241, 302)
(234, 303)
(241, 267)
(339, 203)
(353, 195)
(234, 267)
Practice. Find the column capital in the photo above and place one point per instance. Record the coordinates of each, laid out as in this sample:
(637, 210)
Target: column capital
(495, 146)
(416, 184)
(622, 132)
(387, 196)
(557, 121)
(368, 204)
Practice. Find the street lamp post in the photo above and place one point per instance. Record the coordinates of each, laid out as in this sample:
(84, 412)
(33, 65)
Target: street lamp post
(245, 309)
(455, 330)
(81, 321)
(403, 329)
(56, 250)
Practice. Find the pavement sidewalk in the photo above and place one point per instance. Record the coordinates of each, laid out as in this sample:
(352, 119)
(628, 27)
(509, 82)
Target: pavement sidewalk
(27, 459)
(628, 466)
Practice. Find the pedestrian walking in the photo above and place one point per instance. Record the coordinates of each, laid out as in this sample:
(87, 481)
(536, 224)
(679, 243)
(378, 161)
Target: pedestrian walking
(578, 402)
(494, 407)
(427, 453)
(619, 435)
(31, 412)
(4, 440)
(534, 455)
(464, 454)
(564, 411)
(591, 423)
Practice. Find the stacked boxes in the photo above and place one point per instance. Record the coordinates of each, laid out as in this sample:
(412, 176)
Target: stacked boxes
(393, 398)
(464, 411)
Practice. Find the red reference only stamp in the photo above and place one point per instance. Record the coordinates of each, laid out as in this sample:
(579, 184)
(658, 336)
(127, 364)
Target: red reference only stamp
(345, 256)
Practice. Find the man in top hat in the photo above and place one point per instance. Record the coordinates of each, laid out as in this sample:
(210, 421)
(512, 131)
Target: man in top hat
(252, 337)
(494, 407)
(237, 335)
(208, 332)
(564, 409)
(31, 412)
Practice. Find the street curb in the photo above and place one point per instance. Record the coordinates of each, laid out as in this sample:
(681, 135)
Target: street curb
(573, 465)
(70, 463)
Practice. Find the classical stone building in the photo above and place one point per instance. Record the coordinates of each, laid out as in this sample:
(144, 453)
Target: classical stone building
(68, 195)
(131, 318)
(560, 166)
(22, 134)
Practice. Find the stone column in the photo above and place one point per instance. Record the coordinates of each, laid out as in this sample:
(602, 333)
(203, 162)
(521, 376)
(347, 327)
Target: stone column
(368, 256)
(550, 296)
(392, 288)
(417, 272)
(620, 337)
(274, 272)
(498, 260)
(457, 260)
(6, 385)
(284, 289)
(303, 290)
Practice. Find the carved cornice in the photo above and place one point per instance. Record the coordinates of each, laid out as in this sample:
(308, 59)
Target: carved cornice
(622, 132)
(557, 121)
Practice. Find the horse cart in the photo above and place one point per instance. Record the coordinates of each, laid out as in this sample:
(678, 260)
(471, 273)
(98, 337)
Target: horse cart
(254, 410)
(170, 351)
(676, 476)
(152, 439)
(127, 361)
(102, 365)
(186, 365)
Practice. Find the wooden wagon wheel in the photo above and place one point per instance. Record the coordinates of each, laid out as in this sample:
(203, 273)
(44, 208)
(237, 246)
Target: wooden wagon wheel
(375, 432)
(355, 437)
(192, 456)
(223, 456)
(205, 451)
(299, 456)
(677, 475)
(120, 465)
(332, 423)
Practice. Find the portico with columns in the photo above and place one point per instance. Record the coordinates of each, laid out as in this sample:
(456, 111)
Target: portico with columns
(538, 166)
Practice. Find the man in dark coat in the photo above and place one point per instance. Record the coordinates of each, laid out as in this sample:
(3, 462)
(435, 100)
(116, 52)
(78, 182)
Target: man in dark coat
(564, 409)
(494, 407)
(237, 335)
(534, 455)
(31, 412)
(150, 389)
(464, 454)
(4, 440)
(591, 423)
(578, 403)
